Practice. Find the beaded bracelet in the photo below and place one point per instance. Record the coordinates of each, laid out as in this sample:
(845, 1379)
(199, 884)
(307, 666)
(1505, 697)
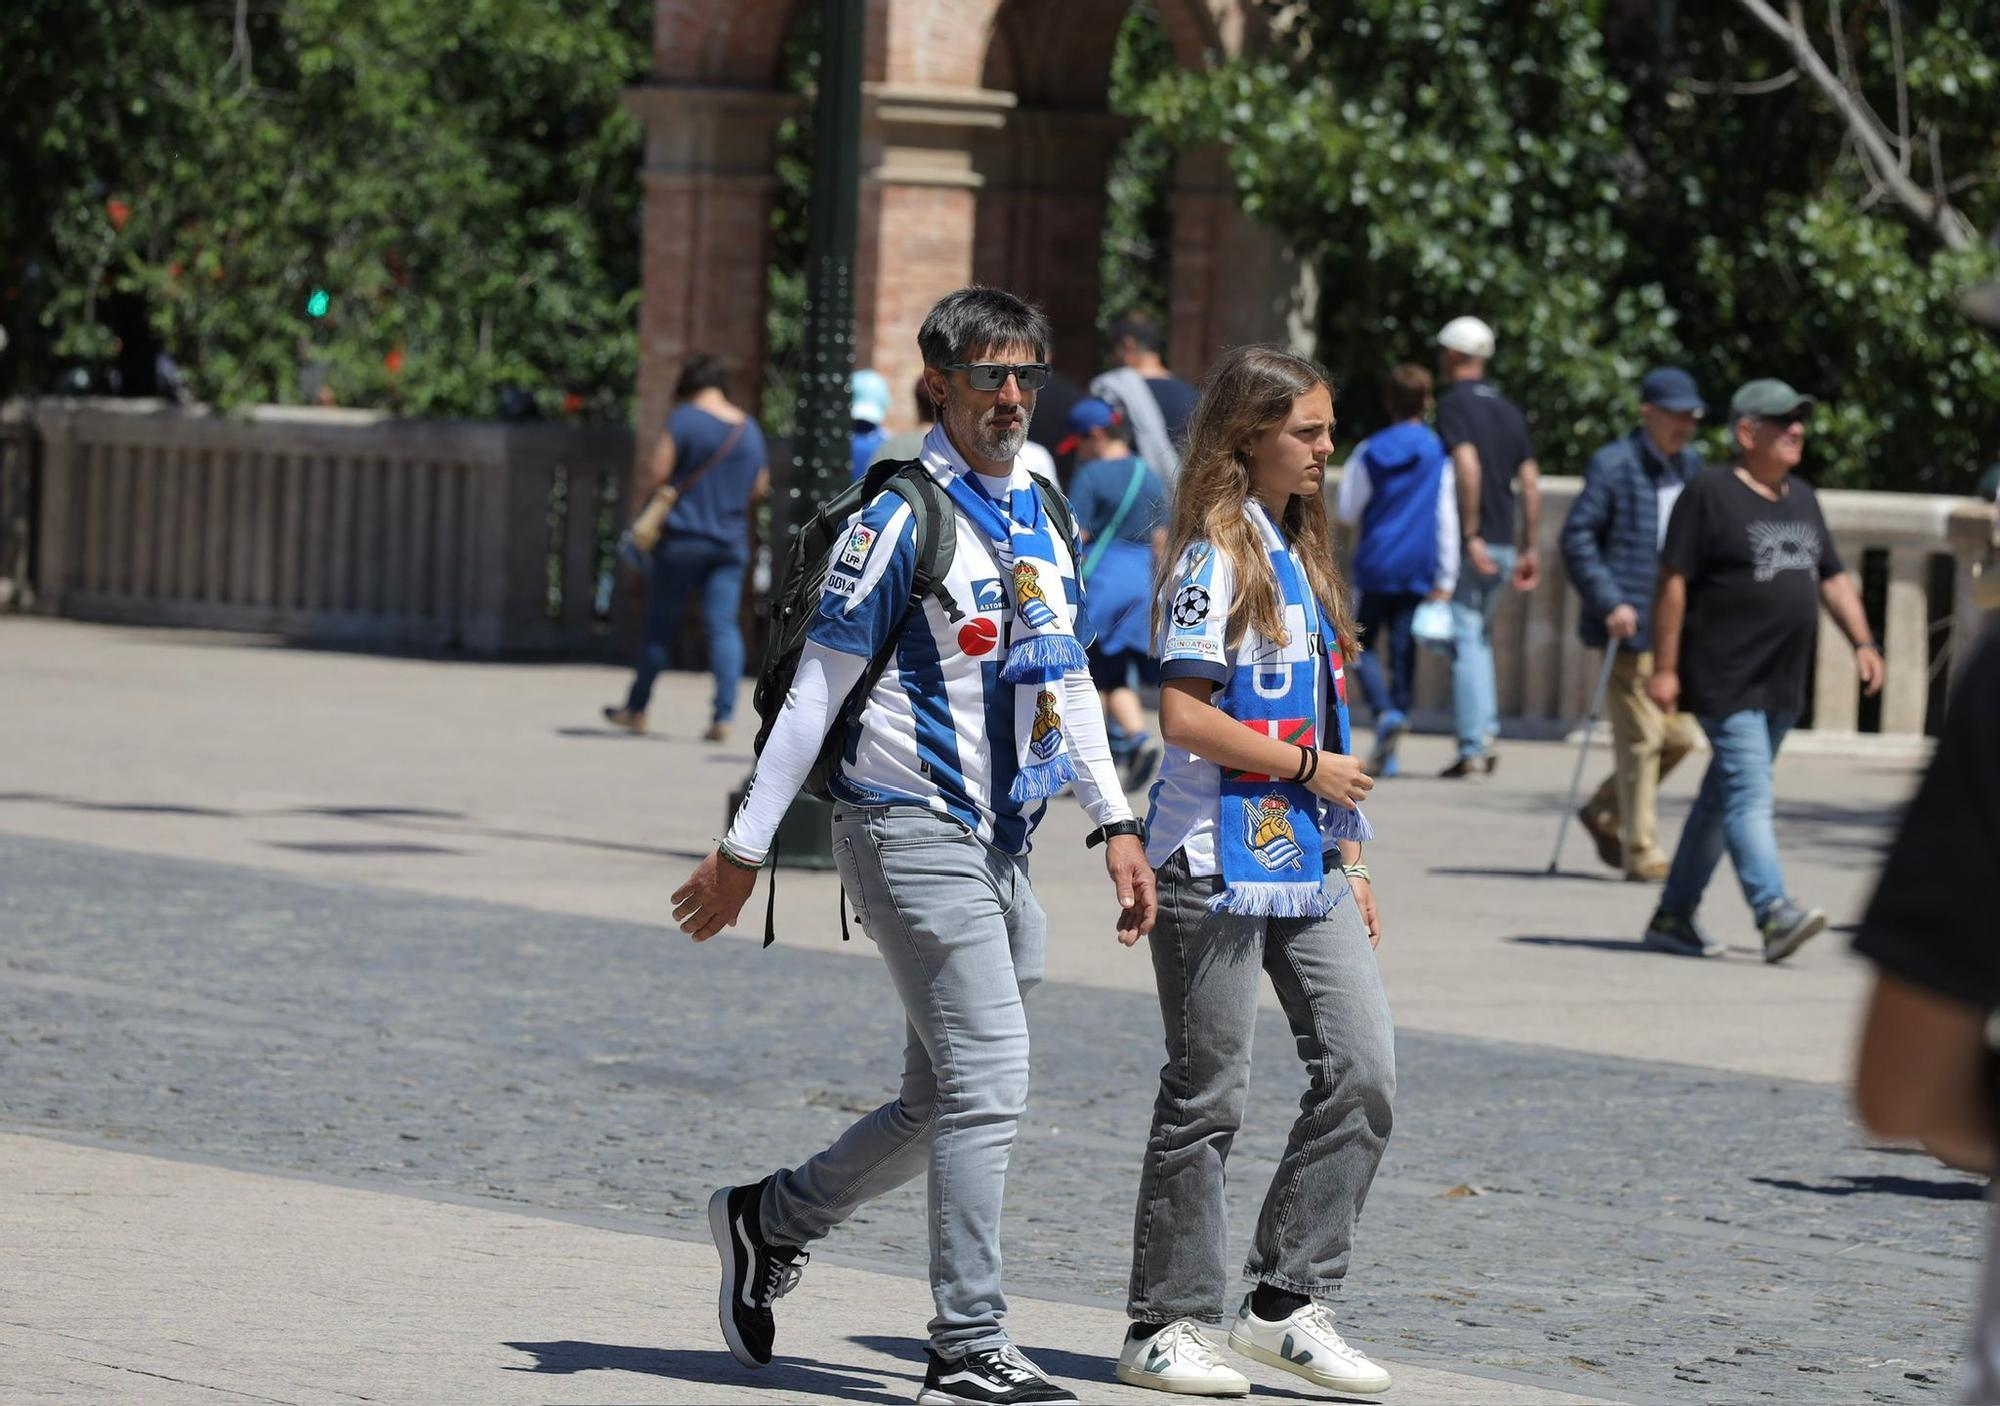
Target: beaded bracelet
(734, 860)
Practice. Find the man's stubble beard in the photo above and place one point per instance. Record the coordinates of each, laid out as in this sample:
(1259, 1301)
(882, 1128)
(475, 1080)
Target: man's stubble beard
(985, 440)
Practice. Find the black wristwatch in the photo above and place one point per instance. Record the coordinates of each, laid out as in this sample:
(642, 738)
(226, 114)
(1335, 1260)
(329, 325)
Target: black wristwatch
(1868, 644)
(1117, 827)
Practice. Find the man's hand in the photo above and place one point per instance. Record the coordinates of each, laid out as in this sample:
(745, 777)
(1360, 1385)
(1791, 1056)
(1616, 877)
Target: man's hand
(1664, 688)
(1622, 623)
(712, 897)
(1481, 559)
(1528, 570)
(1869, 662)
(1138, 901)
(1364, 894)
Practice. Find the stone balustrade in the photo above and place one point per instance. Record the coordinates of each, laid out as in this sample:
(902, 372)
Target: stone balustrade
(346, 526)
(1545, 674)
(328, 525)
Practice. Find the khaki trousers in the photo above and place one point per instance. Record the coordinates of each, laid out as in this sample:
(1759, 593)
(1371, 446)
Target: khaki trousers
(1646, 744)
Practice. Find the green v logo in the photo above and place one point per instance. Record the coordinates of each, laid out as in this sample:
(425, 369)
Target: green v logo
(1298, 1358)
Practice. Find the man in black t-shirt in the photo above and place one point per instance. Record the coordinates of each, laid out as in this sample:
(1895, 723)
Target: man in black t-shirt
(1927, 1070)
(1490, 452)
(1747, 564)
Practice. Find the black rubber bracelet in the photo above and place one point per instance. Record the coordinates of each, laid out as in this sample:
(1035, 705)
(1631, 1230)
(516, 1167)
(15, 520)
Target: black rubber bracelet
(734, 860)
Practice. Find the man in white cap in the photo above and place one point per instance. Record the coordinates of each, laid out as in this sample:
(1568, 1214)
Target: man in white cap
(1491, 452)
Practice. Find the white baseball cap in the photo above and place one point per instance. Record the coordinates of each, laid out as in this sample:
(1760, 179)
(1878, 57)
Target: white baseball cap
(1469, 336)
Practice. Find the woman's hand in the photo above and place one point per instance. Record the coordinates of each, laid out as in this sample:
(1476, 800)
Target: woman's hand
(1364, 894)
(1341, 780)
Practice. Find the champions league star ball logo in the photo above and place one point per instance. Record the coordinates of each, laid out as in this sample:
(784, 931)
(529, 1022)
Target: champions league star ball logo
(1047, 734)
(1033, 605)
(1268, 834)
(1190, 607)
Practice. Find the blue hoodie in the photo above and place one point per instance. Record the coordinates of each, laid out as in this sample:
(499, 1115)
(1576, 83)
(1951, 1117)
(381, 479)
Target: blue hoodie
(1398, 547)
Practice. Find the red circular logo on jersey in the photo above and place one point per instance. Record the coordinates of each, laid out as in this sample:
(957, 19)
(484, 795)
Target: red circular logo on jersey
(980, 636)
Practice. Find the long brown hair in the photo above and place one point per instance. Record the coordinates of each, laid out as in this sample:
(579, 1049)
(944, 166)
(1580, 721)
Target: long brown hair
(1247, 392)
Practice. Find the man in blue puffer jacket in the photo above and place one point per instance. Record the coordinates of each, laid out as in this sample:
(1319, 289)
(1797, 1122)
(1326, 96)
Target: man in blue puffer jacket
(1398, 491)
(1611, 544)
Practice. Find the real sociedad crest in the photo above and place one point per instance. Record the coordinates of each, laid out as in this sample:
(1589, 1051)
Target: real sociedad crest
(1268, 834)
(1046, 736)
(1029, 600)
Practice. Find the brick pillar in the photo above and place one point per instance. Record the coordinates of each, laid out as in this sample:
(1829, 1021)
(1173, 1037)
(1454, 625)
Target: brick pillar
(1040, 229)
(708, 179)
(919, 194)
(1233, 280)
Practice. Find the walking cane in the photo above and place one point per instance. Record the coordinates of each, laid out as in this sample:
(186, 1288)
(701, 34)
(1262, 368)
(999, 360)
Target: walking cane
(1583, 752)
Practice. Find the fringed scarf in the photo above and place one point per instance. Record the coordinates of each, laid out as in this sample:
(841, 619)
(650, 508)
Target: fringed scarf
(1042, 646)
(1271, 833)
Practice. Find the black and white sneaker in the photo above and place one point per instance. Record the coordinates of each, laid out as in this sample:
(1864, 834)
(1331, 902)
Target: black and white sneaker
(755, 1273)
(993, 1376)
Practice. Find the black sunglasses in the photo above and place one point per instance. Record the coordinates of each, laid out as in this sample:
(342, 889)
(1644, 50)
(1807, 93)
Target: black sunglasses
(1786, 421)
(991, 375)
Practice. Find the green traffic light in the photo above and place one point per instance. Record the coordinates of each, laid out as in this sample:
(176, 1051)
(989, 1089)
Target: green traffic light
(318, 303)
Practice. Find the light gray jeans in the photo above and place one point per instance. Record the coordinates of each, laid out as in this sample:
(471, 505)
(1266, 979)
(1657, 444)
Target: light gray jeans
(1207, 966)
(963, 940)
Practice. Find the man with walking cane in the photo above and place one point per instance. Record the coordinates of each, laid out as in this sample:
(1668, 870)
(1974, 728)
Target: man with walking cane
(1611, 543)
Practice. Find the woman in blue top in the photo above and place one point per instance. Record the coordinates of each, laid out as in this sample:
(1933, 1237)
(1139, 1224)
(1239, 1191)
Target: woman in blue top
(1255, 835)
(713, 453)
(1121, 513)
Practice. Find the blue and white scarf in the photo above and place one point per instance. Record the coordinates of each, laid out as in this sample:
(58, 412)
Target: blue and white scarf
(1042, 646)
(1270, 832)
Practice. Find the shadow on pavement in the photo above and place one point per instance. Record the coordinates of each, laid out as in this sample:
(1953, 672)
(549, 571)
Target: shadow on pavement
(1879, 1184)
(1462, 872)
(1595, 944)
(707, 1365)
(1074, 1366)
(614, 734)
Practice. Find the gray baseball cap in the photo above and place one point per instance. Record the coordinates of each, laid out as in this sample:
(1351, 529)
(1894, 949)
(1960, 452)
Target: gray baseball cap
(1767, 397)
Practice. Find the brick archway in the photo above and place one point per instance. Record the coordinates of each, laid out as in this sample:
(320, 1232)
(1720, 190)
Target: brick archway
(985, 149)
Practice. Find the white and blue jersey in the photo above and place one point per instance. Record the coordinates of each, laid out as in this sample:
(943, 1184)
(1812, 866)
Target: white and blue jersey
(938, 727)
(1194, 644)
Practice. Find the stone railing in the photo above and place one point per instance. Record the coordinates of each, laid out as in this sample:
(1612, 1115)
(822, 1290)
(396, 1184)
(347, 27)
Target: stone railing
(1545, 674)
(332, 526)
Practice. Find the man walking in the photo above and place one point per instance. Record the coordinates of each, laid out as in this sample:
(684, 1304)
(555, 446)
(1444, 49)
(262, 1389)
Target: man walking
(1747, 564)
(984, 709)
(1611, 544)
(1491, 453)
(1156, 402)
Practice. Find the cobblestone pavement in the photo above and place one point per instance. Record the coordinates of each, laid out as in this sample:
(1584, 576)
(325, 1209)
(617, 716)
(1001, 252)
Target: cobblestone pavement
(1643, 1230)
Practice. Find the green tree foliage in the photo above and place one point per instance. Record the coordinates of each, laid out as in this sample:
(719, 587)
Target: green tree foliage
(459, 180)
(1590, 178)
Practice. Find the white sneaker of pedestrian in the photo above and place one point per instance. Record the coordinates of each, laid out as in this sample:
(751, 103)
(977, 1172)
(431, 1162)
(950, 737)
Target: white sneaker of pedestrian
(1178, 1358)
(1306, 1345)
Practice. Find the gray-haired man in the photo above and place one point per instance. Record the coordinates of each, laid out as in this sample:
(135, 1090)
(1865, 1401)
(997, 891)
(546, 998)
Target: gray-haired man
(947, 771)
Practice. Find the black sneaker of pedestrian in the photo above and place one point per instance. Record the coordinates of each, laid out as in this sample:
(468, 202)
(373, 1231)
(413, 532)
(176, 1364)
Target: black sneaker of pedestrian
(755, 1273)
(1492, 762)
(993, 1376)
(1788, 927)
(1604, 833)
(1669, 932)
(1460, 769)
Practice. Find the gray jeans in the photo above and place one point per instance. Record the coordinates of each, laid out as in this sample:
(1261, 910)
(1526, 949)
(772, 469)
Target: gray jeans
(963, 939)
(1207, 966)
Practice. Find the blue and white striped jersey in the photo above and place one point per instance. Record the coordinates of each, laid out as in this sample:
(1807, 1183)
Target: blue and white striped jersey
(938, 728)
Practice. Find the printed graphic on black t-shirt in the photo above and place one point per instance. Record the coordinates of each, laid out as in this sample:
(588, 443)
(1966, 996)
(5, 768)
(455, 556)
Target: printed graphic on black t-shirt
(1753, 569)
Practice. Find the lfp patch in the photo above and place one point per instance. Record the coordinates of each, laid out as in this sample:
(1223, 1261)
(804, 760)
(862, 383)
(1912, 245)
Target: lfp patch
(858, 543)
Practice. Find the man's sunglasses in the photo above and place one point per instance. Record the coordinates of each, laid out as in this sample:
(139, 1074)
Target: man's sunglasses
(991, 375)
(1785, 422)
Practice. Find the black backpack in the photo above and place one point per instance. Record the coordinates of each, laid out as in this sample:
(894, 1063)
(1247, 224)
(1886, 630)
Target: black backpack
(796, 601)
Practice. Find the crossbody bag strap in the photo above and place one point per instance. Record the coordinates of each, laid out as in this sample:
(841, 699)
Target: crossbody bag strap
(682, 485)
(1110, 533)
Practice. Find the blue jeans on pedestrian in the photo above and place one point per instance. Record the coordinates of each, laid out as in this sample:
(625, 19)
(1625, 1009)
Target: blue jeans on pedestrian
(1475, 703)
(963, 940)
(1733, 810)
(691, 567)
(1384, 622)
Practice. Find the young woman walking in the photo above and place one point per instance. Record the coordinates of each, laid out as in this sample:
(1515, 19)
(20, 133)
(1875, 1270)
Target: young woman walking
(1256, 837)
